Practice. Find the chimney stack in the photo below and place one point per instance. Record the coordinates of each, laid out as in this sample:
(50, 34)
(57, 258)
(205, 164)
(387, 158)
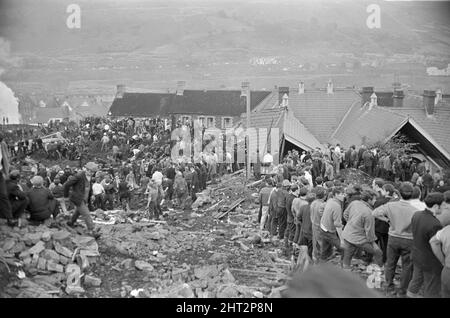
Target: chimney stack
(396, 86)
(438, 97)
(120, 90)
(301, 88)
(330, 87)
(373, 100)
(180, 87)
(428, 101)
(366, 92)
(398, 98)
(281, 92)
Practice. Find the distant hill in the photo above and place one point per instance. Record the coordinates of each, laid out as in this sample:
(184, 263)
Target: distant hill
(176, 29)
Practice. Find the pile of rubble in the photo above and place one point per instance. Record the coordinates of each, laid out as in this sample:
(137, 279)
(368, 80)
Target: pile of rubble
(48, 262)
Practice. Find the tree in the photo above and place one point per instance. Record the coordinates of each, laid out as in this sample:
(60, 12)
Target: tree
(398, 145)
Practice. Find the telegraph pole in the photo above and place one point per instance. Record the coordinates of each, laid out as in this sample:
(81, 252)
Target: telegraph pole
(246, 93)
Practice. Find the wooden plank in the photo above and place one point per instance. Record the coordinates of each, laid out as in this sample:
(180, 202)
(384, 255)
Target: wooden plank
(235, 204)
(253, 272)
(213, 206)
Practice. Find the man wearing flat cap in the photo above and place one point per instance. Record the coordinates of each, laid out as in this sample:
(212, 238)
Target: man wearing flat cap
(81, 192)
(17, 198)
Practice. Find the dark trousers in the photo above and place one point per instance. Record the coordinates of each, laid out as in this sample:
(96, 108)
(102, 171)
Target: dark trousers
(307, 241)
(396, 248)
(5, 205)
(327, 241)
(382, 240)
(275, 221)
(430, 280)
(283, 223)
(18, 208)
(289, 235)
(98, 202)
(108, 202)
(350, 249)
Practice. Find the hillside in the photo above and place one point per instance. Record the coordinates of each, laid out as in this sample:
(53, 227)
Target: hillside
(178, 28)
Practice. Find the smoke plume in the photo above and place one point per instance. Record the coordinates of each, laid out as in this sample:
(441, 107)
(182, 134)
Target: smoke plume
(9, 105)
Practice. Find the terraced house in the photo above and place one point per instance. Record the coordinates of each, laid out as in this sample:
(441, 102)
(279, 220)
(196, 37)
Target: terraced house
(211, 108)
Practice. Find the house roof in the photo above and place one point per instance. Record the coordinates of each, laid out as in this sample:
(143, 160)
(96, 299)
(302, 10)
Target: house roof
(43, 114)
(289, 126)
(208, 102)
(370, 124)
(141, 104)
(319, 112)
(362, 125)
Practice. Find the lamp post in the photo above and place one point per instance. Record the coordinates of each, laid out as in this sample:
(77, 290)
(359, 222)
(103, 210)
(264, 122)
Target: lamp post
(246, 92)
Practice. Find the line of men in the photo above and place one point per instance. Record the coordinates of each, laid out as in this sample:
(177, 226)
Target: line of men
(378, 223)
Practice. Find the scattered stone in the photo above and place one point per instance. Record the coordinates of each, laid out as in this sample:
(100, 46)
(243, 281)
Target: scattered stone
(127, 263)
(37, 248)
(142, 265)
(92, 281)
(63, 250)
(185, 291)
(42, 263)
(64, 260)
(258, 294)
(205, 271)
(74, 290)
(32, 238)
(228, 277)
(53, 267)
(9, 244)
(227, 291)
(19, 247)
(60, 235)
(46, 236)
(50, 255)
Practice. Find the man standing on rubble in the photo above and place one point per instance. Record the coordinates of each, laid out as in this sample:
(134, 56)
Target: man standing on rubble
(81, 192)
(264, 195)
(400, 242)
(278, 209)
(290, 228)
(330, 234)
(427, 267)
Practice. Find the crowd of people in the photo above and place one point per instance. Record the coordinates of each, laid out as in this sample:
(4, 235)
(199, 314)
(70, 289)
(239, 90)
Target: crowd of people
(378, 223)
(132, 164)
(305, 200)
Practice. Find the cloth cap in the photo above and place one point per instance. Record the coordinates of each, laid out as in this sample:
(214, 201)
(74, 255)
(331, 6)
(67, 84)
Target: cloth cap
(286, 183)
(37, 180)
(91, 166)
(14, 174)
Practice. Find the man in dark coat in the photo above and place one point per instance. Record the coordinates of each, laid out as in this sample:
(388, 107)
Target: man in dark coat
(17, 198)
(81, 192)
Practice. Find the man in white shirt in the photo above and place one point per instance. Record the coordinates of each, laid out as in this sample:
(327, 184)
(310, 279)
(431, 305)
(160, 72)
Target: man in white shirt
(105, 141)
(267, 162)
(157, 177)
(308, 177)
(98, 193)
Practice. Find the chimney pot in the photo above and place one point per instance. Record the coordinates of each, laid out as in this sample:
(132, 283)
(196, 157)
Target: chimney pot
(330, 87)
(366, 93)
(180, 87)
(120, 90)
(438, 97)
(281, 92)
(428, 101)
(301, 88)
(398, 98)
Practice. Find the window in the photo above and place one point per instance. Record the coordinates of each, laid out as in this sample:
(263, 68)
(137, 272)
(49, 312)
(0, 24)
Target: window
(210, 122)
(202, 121)
(227, 122)
(185, 119)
